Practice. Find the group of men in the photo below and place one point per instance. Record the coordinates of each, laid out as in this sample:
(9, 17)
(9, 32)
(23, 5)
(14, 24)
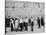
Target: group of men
(23, 23)
(41, 22)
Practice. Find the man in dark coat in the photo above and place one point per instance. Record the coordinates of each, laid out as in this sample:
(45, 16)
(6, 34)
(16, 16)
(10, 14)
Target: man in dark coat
(38, 21)
(42, 21)
(32, 23)
(11, 24)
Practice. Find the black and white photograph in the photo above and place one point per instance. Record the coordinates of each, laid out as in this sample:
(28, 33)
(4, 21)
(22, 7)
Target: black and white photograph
(22, 17)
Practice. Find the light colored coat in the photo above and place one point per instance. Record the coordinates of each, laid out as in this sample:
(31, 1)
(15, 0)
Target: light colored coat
(16, 23)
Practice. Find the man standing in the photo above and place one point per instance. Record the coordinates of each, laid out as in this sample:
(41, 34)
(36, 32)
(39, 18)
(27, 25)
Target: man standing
(11, 24)
(42, 21)
(38, 21)
(29, 22)
(26, 23)
(16, 24)
(32, 23)
(21, 24)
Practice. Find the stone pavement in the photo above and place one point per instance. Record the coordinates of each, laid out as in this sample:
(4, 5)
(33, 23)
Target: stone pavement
(36, 30)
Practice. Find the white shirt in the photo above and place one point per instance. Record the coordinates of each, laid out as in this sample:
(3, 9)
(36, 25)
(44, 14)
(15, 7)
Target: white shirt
(31, 19)
(26, 20)
(21, 20)
(11, 21)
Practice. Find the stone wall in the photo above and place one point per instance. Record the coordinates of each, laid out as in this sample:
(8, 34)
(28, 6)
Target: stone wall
(17, 9)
